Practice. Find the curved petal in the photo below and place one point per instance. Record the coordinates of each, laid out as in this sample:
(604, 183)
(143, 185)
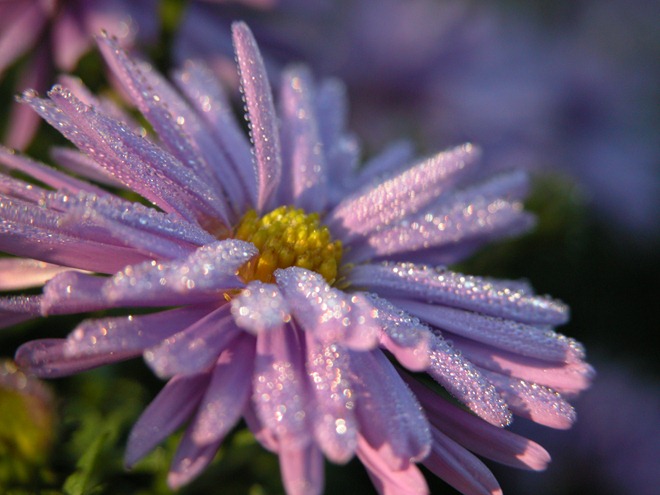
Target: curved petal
(260, 307)
(302, 470)
(260, 112)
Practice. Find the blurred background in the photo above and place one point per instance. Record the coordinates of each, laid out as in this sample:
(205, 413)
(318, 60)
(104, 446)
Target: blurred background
(566, 89)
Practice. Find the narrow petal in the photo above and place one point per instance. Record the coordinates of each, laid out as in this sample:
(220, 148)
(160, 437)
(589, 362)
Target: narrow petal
(532, 401)
(404, 336)
(23, 273)
(482, 438)
(260, 307)
(227, 394)
(201, 276)
(462, 470)
(260, 112)
(196, 348)
(203, 89)
(280, 395)
(335, 424)
(407, 481)
(17, 309)
(302, 147)
(401, 195)
(391, 419)
(47, 358)
(177, 125)
(190, 459)
(439, 285)
(302, 470)
(567, 379)
(328, 313)
(175, 403)
(520, 338)
(130, 333)
(451, 370)
(45, 174)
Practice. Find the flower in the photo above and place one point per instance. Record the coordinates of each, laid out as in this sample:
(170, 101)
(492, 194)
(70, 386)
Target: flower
(288, 286)
(58, 32)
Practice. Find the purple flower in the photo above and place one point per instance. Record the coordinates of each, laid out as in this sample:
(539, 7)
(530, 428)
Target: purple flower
(289, 286)
(56, 34)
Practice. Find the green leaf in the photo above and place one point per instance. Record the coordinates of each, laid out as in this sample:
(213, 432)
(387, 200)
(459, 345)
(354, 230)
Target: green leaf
(83, 481)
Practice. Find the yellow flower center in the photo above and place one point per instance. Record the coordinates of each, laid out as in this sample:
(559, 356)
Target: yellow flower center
(288, 237)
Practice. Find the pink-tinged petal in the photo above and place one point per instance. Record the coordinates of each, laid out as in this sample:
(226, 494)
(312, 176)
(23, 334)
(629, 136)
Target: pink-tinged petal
(260, 112)
(22, 273)
(130, 333)
(331, 104)
(82, 165)
(439, 285)
(69, 38)
(35, 231)
(451, 370)
(567, 379)
(177, 125)
(394, 157)
(175, 403)
(133, 160)
(302, 148)
(404, 336)
(204, 91)
(280, 395)
(190, 459)
(21, 33)
(519, 338)
(73, 292)
(335, 424)
(47, 358)
(17, 309)
(401, 195)
(200, 277)
(196, 348)
(464, 217)
(391, 419)
(116, 221)
(328, 313)
(532, 401)
(262, 433)
(302, 470)
(462, 470)
(23, 122)
(482, 438)
(407, 481)
(227, 394)
(260, 307)
(43, 173)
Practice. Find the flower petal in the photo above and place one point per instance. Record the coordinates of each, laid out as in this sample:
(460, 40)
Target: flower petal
(17, 309)
(227, 394)
(195, 348)
(47, 358)
(328, 313)
(22, 273)
(391, 419)
(172, 406)
(439, 285)
(280, 395)
(335, 424)
(477, 435)
(406, 481)
(302, 148)
(260, 307)
(189, 460)
(462, 470)
(260, 112)
(401, 195)
(532, 401)
(451, 370)
(520, 338)
(302, 470)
